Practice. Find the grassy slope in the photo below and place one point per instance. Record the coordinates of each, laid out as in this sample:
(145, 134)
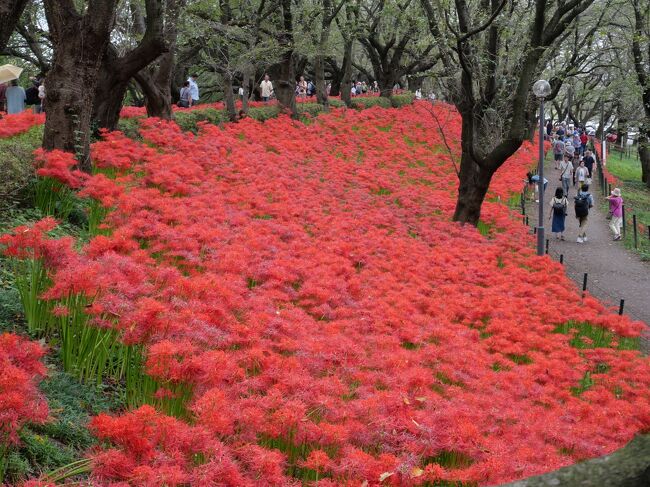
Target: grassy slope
(636, 196)
(65, 437)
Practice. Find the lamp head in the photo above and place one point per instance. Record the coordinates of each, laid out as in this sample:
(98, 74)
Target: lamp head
(542, 88)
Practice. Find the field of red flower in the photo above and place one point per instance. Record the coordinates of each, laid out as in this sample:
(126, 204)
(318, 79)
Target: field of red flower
(11, 125)
(306, 311)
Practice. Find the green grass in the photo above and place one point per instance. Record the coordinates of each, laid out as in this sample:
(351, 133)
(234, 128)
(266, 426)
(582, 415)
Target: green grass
(65, 438)
(623, 166)
(587, 336)
(636, 196)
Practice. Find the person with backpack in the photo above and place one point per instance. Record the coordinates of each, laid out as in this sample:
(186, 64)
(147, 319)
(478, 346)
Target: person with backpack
(566, 173)
(615, 212)
(559, 204)
(583, 202)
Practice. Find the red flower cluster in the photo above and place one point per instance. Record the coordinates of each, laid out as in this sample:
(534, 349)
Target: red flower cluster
(20, 400)
(18, 123)
(307, 285)
(59, 165)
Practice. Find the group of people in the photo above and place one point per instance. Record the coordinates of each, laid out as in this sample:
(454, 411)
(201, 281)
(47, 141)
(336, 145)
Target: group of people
(189, 95)
(14, 98)
(575, 164)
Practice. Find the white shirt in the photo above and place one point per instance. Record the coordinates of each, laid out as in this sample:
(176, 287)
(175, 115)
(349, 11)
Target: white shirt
(582, 173)
(267, 88)
(566, 169)
(194, 89)
(241, 91)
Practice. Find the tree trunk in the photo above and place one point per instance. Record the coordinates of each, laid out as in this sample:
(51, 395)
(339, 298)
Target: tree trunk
(10, 12)
(229, 96)
(644, 152)
(156, 81)
(337, 76)
(319, 62)
(246, 81)
(319, 80)
(286, 84)
(108, 102)
(116, 71)
(346, 82)
(473, 186)
(156, 86)
(627, 467)
(80, 42)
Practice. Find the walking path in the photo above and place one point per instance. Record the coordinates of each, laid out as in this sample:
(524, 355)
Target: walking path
(614, 273)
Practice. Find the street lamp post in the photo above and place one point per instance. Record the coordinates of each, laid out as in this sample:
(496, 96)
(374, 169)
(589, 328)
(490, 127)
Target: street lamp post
(541, 89)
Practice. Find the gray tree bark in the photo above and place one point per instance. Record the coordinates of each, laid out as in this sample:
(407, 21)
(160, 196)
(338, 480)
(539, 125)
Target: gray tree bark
(627, 467)
(80, 42)
(10, 12)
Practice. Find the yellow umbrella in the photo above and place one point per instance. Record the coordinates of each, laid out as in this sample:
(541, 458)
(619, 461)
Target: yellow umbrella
(9, 72)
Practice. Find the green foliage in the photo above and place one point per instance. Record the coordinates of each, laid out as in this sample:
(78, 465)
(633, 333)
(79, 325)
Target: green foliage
(626, 167)
(16, 165)
(586, 336)
(404, 99)
(264, 113)
(363, 102)
(129, 127)
(636, 197)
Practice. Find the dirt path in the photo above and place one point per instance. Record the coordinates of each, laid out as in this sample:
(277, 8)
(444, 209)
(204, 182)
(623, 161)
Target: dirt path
(614, 273)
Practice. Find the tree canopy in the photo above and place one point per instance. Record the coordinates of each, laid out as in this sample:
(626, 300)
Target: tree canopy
(481, 55)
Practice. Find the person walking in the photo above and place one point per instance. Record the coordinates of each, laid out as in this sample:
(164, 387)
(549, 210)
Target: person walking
(16, 97)
(577, 144)
(194, 89)
(589, 162)
(566, 173)
(302, 88)
(558, 151)
(549, 129)
(615, 212)
(266, 88)
(583, 203)
(583, 142)
(559, 204)
(582, 173)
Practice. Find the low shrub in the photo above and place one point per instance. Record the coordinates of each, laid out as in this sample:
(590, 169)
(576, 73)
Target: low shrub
(16, 166)
(371, 101)
(402, 99)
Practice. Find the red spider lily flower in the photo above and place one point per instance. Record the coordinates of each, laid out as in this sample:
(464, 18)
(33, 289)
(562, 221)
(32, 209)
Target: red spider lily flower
(19, 123)
(20, 399)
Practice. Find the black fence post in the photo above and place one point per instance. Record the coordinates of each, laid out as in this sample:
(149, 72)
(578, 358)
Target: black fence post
(621, 306)
(561, 258)
(547, 246)
(636, 242)
(624, 225)
(584, 284)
